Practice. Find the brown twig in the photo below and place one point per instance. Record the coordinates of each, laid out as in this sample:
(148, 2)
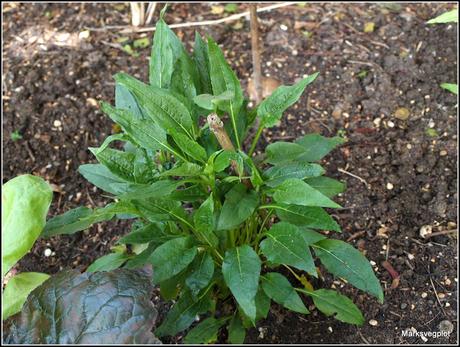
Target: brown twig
(442, 232)
(29, 151)
(437, 297)
(355, 235)
(257, 71)
(355, 176)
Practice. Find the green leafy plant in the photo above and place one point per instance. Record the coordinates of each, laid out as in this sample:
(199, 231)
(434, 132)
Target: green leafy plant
(25, 203)
(217, 222)
(447, 17)
(101, 308)
(15, 135)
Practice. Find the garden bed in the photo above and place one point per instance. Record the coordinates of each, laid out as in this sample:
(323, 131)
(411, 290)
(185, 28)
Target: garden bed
(400, 171)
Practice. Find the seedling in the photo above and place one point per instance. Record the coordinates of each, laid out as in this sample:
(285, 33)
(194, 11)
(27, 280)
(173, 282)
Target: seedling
(15, 135)
(447, 17)
(216, 221)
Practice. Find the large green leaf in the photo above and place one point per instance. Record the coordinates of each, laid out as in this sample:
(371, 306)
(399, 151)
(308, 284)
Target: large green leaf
(279, 153)
(146, 133)
(262, 304)
(162, 210)
(205, 332)
(204, 221)
(238, 206)
(200, 55)
(241, 270)
(297, 192)
(147, 233)
(328, 186)
(90, 308)
(169, 289)
(317, 146)
(108, 262)
(192, 193)
(191, 147)
(157, 190)
(224, 160)
(18, 289)
(279, 173)
(172, 257)
(184, 169)
(141, 259)
(103, 178)
(25, 203)
(82, 218)
(224, 79)
(211, 102)
(183, 314)
(201, 272)
(271, 109)
(118, 162)
(278, 288)
(161, 59)
(160, 105)
(344, 261)
(124, 100)
(185, 78)
(305, 216)
(330, 302)
(285, 244)
(236, 331)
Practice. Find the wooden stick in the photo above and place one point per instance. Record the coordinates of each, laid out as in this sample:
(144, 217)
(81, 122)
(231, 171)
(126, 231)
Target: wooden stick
(192, 24)
(257, 71)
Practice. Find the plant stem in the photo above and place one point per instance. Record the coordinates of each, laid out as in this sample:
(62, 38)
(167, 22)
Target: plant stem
(260, 233)
(256, 139)
(235, 130)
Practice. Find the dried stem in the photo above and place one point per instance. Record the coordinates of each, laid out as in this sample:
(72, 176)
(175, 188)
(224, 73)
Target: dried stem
(257, 71)
(217, 128)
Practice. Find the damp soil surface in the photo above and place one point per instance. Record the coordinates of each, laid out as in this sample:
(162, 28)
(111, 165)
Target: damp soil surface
(380, 69)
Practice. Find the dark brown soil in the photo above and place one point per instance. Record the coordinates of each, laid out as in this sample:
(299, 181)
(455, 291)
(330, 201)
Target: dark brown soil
(400, 175)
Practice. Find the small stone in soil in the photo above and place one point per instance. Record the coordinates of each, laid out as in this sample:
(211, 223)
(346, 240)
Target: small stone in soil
(390, 186)
(373, 322)
(446, 326)
(424, 295)
(403, 306)
(47, 252)
(402, 113)
(425, 230)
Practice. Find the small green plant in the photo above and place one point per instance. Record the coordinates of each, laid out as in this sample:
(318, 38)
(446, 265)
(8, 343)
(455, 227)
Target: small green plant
(447, 17)
(216, 222)
(25, 203)
(15, 135)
